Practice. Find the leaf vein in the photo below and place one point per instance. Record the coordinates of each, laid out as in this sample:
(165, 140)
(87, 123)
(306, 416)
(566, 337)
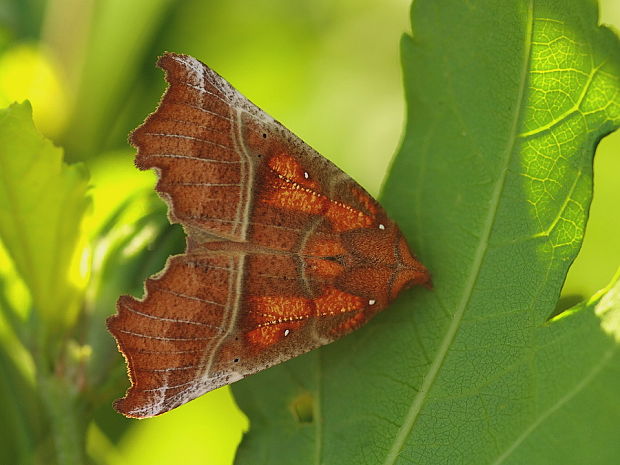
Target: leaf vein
(416, 405)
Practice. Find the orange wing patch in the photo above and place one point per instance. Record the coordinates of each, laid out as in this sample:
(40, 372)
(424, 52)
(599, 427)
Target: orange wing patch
(344, 217)
(335, 301)
(286, 166)
(292, 190)
(266, 310)
(265, 336)
(274, 317)
(291, 196)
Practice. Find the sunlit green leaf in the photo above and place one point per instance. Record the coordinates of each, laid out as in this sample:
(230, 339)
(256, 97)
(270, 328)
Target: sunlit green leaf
(492, 186)
(42, 202)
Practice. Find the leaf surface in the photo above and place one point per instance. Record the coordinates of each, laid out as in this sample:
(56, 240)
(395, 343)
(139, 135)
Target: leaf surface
(492, 186)
(42, 202)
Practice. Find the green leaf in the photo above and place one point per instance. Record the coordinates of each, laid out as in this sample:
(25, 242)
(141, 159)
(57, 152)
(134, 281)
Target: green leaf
(42, 202)
(492, 185)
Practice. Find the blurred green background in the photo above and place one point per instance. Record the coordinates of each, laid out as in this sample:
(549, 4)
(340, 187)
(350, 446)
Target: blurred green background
(328, 70)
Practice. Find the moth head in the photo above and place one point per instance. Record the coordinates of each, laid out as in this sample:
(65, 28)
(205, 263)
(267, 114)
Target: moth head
(384, 264)
(410, 272)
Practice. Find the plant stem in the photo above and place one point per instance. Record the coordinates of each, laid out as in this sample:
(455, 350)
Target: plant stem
(63, 413)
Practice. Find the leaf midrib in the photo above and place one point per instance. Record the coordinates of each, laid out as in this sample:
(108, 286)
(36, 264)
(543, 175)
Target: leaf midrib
(429, 379)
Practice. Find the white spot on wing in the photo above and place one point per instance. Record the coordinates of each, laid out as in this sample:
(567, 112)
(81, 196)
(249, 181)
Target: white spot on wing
(381, 226)
(372, 302)
(286, 332)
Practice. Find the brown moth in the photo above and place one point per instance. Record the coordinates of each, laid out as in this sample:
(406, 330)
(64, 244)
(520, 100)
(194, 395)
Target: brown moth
(285, 252)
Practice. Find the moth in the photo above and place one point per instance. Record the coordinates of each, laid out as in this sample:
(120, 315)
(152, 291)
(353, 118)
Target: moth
(285, 252)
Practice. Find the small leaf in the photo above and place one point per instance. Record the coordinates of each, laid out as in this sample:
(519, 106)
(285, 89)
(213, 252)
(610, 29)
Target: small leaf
(492, 186)
(42, 202)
